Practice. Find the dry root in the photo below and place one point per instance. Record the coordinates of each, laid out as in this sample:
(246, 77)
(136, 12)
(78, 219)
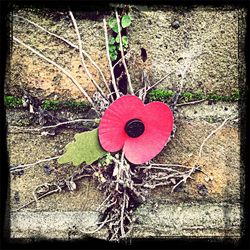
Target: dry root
(126, 186)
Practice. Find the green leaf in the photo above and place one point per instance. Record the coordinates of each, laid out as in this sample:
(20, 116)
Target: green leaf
(85, 148)
(113, 55)
(125, 41)
(111, 41)
(113, 24)
(126, 21)
(117, 39)
(112, 48)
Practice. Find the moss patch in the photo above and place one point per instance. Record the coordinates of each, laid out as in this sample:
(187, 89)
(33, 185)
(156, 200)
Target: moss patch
(55, 105)
(154, 95)
(16, 102)
(165, 96)
(12, 101)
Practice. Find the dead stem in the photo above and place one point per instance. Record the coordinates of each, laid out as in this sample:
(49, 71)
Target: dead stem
(122, 213)
(71, 45)
(190, 103)
(60, 68)
(184, 179)
(159, 81)
(25, 166)
(102, 204)
(32, 201)
(169, 165)
(213, 132)
(122, 54)
(109, 60)
(54, 126)
(58, 188)
(82, 58)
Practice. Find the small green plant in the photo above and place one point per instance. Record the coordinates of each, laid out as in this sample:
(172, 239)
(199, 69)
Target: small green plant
(114, 41)
(160, 95)
(56, 105)
(187, 96)
(12, 101)
(236, 94)
(16, 102)
(165, 96)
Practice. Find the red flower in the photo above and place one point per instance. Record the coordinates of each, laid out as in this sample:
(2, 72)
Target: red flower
(140, 130)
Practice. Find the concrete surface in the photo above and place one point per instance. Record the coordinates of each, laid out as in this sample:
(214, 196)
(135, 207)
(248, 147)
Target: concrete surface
(167, 221)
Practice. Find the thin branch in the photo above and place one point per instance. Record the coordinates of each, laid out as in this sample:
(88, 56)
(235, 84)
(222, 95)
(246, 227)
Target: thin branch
(70, 44)
(163, 166)
(122, 54)
(188, 63)
(59, 188)
(190, 103)
(102, 204)
(169, 165)
(38, 198)
(184, 179)
(122, 213)
(54, 126)
(119, 61)
(159, 81)
(108, 56)
(81, 56)
(59, 67)
(213, 132)
(25, 166)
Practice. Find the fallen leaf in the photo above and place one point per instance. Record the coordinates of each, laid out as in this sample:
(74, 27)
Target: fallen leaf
(86, 148)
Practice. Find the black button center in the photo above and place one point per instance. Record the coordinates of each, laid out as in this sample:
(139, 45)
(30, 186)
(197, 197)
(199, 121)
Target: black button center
(134, 128)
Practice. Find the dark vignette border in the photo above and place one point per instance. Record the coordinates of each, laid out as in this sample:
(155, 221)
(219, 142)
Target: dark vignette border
(6, 8)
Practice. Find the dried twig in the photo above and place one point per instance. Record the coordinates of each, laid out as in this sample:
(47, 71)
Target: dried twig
(81, 56)
(183, 72)
(159, 81)
(145, 90)
(56, 125)
(122, 214)
(190, 103)
(58, 188)
(122, 54)
(169, 165)
(38, 198)
(25, 166)
(109, 60)
(213, 132)
(71, 45)
(60, 68)
(185, 177)
(119, 61)
(102, 204)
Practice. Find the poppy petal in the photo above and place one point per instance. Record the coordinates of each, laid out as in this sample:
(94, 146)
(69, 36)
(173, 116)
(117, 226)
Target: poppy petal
(111, 130)
(158, 122)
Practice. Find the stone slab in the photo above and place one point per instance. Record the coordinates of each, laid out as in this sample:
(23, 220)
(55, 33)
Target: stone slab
(165, 221)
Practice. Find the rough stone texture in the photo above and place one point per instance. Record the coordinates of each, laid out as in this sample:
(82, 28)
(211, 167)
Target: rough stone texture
(53, 225)
(182, 220)
(207, 39)
(164, 214)
(212, 32)
(42, 79)
(224, 187)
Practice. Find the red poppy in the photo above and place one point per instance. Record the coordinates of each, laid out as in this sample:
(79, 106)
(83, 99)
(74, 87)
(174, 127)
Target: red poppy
(140, 130)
